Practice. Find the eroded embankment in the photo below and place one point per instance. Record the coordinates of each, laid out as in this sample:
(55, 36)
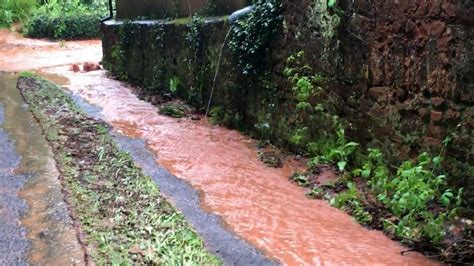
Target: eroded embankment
(256, 202)
(121, 212)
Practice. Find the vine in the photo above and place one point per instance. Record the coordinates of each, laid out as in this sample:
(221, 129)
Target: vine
(251, 35)
(194, 61)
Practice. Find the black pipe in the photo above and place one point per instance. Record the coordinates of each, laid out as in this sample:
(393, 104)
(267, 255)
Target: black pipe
(111, 12)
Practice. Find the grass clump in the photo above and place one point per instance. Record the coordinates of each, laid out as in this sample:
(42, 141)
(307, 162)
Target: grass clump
(120, 210)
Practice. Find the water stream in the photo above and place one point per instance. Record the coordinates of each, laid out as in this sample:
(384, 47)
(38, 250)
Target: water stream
(257, 202)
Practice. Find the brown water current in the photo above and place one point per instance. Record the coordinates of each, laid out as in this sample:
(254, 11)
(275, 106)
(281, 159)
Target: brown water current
(256, 202)
(50, 230)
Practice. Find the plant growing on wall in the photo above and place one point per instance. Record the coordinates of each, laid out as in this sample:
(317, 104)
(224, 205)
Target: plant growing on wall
(251, 35)
(197, 69)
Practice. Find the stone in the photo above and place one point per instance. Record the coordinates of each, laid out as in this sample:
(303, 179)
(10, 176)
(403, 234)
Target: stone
(74, 68)
(88, 66)
(437, 101)
(379, 94)
(436, 116)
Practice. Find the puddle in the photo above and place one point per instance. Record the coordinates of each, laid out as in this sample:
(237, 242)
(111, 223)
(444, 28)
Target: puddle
(42, 213)
(256, 202)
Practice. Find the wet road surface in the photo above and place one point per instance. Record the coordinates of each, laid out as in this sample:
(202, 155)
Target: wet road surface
(13, 243)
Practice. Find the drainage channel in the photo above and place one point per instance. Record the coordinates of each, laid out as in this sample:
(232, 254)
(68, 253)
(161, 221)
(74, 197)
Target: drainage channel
(221, 186)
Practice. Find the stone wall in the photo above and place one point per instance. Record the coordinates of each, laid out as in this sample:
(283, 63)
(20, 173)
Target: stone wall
(160, 9)
(401, 74)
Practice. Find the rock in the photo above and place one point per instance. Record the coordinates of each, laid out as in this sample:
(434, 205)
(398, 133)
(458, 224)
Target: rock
(88, 66)
(436, 116)
(75, 68)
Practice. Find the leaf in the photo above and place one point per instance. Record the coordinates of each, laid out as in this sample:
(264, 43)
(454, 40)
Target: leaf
(342, 165)
(445, 200)
(366, 173)
(331, 3)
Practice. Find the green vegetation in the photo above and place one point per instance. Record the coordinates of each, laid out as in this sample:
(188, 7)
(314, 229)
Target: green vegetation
(411, 202)
(251, 35)
(175, 110)
(121, 212)
(15, 10)
(313, 105)
(72, 19)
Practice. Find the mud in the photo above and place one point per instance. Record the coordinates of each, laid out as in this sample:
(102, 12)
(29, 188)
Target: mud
(256, 202)
(37, 228)
(20, 54)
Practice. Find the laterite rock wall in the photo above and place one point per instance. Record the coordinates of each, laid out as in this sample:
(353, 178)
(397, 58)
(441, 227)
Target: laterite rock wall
(401, 74)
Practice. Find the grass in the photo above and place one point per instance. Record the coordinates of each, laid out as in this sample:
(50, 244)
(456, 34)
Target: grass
(120, 210)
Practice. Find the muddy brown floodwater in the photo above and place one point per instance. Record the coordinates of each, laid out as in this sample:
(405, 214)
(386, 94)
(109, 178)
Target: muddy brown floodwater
(256, 202)
(19, 54)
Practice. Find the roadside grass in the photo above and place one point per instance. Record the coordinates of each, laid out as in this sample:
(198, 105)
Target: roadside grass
(121, 213)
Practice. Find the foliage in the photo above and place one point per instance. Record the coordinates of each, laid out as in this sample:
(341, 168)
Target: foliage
(66, 20)
(15, 10)
(411, 202)
(349, 201)
(300, 179)
(312, 106)
(325, 18)
(173, 110)
(197, 68)
(251, 35)
(417, 188)
(339, 154)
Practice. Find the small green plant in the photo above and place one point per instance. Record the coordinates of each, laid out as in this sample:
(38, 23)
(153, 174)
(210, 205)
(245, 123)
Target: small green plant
(417, 195)
(174, 84)
(301, 179)
(317, 193)
(340, 154)
(173, 110)
(349, 201)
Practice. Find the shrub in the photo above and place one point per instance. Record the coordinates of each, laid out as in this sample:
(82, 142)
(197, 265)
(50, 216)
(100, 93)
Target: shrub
(251, 35)
(15, 10)
(66, 20)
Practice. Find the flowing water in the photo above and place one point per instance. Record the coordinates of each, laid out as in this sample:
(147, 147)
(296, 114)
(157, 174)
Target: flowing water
(257, 202)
